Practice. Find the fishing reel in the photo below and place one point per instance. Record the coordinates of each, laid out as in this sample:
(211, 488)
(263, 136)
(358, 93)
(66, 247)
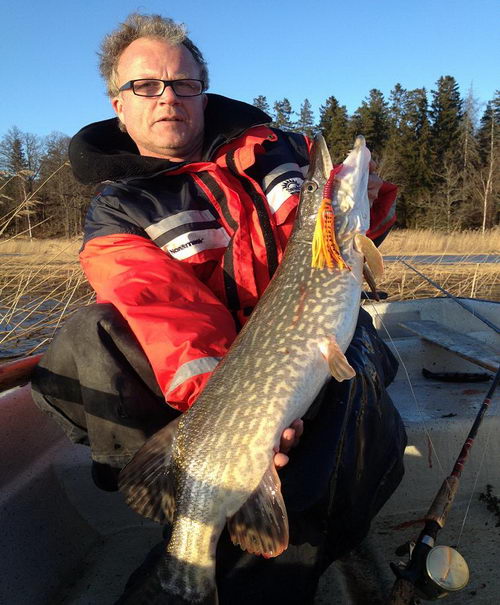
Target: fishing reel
(434, 571)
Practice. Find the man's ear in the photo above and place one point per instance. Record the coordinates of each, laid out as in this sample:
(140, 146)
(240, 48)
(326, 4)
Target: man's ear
(117, 105)
(205, 101)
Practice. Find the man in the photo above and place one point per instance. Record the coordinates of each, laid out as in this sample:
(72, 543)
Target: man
(196, 203)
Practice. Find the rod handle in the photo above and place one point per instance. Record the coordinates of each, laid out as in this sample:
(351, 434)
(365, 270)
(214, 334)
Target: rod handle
(402, 593)
(441, 505)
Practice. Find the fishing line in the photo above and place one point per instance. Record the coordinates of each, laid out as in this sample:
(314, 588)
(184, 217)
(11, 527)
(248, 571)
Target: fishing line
(419, 409)
(494, 327)
(479, 316)
(469, 503)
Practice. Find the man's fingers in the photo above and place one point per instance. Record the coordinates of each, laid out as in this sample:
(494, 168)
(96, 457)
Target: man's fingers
(291, 436)
(287, 440)
(280, 460)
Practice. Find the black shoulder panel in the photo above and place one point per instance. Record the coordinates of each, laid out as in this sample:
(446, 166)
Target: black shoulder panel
(139, 205)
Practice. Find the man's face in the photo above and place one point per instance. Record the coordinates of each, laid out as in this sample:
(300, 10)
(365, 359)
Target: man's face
(169, 126)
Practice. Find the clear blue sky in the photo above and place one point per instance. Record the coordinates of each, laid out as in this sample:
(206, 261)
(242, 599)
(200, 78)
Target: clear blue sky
(290, 49)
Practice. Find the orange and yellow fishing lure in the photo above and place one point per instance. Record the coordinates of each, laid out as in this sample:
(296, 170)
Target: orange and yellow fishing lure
(325, 249)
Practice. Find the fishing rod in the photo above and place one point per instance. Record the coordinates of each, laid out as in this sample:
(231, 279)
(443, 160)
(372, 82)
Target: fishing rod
(434, 571)
(455, 298)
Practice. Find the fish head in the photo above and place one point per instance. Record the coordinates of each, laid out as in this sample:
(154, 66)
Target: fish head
(350, 202)
(311, 192)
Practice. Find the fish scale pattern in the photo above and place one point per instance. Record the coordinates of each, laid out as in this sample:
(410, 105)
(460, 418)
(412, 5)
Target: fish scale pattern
(270, 376)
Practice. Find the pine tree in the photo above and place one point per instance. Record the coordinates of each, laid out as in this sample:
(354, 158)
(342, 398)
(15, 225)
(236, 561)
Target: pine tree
(446, 113)
(407, 159)
(490, 120)
(15, 167)
(333, 125)
(371, 119)
(397, 140)
(489, 152)
(261, 103)
(12, 156)
(305, 123)
(418, 147)
(283, 115)
(468, 209)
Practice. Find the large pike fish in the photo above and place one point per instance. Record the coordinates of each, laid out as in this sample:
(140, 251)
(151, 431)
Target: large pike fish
(216, 465)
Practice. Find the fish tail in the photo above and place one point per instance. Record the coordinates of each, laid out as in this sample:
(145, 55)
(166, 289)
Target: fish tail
(186, 582)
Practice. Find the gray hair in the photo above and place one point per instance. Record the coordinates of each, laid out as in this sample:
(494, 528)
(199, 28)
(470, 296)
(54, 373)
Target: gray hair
(143, 26)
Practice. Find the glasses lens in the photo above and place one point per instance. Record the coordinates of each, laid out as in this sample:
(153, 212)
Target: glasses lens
(187, 88)
(148, 88)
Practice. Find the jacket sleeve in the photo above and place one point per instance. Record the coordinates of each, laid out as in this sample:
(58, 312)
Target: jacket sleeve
(183, 328)
(383, 212)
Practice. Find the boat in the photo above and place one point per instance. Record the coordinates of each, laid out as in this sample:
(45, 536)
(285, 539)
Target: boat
(66, 542)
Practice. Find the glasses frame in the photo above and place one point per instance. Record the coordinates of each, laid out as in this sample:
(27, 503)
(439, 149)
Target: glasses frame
(130, 86)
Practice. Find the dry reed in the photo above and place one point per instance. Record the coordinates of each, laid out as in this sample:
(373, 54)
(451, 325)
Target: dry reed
(425, 241)
(41, 283)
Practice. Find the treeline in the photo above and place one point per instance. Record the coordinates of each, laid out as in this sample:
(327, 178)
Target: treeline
(441, 149)
(39, 196)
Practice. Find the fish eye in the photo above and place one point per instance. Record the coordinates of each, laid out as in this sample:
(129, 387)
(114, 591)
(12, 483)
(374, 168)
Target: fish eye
(311, 186)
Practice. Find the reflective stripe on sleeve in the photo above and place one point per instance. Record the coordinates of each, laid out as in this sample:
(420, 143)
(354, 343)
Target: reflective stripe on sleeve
(193, 368)
(176, 220)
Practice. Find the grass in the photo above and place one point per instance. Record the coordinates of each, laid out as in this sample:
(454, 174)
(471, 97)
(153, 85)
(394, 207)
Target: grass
(467, 279)
(62, 249)
(41, 283)
(420, 241)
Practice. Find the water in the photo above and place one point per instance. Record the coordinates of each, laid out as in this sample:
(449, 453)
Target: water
(33, 321)
(446, 259)
(30, 324)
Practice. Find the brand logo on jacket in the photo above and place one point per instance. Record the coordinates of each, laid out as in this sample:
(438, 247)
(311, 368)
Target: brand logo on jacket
(292, 186)
(186, 245)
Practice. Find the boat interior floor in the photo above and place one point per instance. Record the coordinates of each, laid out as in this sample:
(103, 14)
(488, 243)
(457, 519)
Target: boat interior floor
(66, 542)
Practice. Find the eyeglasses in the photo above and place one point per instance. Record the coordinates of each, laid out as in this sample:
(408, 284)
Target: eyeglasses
(155, 88)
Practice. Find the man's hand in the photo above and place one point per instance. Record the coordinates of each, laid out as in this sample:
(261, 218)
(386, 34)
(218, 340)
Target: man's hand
(374, 183)
(289, 439)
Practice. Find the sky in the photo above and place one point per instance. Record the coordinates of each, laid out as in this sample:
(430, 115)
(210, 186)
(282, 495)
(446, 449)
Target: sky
(309, 49)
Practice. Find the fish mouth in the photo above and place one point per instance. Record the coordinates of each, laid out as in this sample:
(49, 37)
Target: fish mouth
(321, 163)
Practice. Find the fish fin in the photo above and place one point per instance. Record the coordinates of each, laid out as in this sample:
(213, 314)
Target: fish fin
(370, 280)
(340, 368)
(372, 254)
(261, 525)
(148, 482)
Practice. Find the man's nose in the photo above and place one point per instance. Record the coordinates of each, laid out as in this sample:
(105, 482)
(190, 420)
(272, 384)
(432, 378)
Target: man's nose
(168, 95)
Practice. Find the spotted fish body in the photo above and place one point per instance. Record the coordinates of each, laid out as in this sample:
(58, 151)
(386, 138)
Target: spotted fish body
(221, 458)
